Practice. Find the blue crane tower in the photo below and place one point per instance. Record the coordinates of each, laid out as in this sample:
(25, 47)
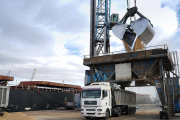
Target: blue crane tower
(100, 26)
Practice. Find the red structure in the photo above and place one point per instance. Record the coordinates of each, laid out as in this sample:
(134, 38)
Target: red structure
(6, 78)
(49, 84)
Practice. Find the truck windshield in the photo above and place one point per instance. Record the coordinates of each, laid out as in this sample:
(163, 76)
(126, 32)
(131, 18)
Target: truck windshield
(91, 93)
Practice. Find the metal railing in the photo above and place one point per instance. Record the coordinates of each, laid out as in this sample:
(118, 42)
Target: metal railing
(53, 89)
(175, 60)
(125, 51)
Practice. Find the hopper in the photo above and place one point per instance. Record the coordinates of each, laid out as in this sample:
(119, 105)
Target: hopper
(143, 29)
(122, 32)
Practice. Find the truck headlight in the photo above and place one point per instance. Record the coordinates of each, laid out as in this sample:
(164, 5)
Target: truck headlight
(82, 109)
(99, 109)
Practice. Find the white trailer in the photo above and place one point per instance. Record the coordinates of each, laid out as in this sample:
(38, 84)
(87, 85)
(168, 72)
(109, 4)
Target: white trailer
(4, 96)
(102, 99)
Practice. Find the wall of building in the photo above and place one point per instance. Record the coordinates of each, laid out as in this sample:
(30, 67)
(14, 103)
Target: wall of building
(20, 99)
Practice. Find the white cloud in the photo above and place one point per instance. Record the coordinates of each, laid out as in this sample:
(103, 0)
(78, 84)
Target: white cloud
(172, 4)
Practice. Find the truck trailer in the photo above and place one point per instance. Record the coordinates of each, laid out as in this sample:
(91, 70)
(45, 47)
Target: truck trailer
(104, 99)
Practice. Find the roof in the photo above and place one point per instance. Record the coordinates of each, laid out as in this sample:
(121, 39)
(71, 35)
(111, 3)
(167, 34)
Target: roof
(6, 78)
(49, 84)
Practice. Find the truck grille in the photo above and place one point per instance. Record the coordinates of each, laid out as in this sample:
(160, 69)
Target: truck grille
(91, 113)
(90, 102)
(90, 110)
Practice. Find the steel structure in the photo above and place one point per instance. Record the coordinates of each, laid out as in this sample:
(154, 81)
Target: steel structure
(149, 67)
(152, 66)
(5, 79)
(100, 25)
(48, 84)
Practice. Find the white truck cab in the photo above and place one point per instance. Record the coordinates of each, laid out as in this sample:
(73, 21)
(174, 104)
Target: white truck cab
(102, 99)
(96, 100)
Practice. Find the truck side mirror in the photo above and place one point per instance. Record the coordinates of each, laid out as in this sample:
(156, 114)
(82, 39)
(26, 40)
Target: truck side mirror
(104, 93)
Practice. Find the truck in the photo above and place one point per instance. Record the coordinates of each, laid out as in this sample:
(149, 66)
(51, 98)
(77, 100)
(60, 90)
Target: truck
(4, 98)
(105, 99)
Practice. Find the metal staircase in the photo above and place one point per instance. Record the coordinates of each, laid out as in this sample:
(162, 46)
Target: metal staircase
(171, 105)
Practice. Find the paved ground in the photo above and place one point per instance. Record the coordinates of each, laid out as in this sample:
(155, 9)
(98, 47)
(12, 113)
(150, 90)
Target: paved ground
(145, 112)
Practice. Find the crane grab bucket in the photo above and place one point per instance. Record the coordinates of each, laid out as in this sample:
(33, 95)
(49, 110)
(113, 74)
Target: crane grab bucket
(119, 30)
(143, 30)
(122, 32)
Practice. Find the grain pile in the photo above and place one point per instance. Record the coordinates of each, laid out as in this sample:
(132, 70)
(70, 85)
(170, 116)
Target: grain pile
(15, 116)
(139, 45)
(127, 46)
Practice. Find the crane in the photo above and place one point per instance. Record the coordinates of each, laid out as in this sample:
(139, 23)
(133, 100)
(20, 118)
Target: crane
(33, 74)
(8, 73)
(135, 34)
(142, 29)
(100, 27)
(102, 22)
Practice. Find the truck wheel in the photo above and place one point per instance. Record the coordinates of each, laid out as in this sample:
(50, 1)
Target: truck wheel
(167, 115)
(128, 112)
(107, 114)
(161, 115)
(132, 111)
(119, 113)
(1, 114)
(88, 117)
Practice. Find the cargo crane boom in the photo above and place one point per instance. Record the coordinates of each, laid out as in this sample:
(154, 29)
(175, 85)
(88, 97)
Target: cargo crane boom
(8, 73)
(33, 74)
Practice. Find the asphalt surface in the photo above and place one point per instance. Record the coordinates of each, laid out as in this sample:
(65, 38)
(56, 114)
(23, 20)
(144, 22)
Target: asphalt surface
(145, 112)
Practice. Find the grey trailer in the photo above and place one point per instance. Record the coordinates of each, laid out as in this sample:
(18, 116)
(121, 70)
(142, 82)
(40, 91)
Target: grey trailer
(123, 101)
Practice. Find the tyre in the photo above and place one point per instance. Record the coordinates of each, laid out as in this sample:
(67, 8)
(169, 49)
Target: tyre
(107, 114)
(167, 115)
(161, 114)
(133, 110)
(88, 117)
(119, 113)
(1, 114)
(128, 112)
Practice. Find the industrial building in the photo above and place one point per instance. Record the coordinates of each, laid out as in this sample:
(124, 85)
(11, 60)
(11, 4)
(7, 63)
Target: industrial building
(40, 95)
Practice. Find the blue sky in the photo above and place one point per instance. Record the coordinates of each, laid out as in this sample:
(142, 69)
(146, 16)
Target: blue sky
(53, 36)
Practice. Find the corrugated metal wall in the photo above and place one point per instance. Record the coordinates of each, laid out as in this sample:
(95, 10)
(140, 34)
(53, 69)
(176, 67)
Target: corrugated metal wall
(21, 99)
